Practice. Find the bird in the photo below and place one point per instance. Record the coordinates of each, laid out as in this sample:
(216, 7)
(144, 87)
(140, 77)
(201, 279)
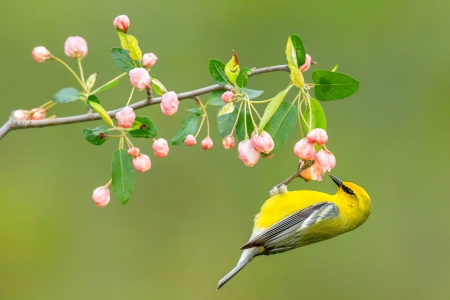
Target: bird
(295, 219)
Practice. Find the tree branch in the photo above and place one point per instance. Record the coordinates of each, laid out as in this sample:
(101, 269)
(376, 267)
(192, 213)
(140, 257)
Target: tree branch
(13, 123)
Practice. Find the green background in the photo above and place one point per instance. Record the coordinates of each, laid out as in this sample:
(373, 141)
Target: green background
(181, 231)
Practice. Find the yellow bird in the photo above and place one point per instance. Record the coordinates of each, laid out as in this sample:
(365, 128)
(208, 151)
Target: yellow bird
(295, 219)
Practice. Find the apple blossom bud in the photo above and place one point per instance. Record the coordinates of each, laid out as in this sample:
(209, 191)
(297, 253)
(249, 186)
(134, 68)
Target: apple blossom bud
(139, 78)
(40, 54)
(101, 196)
(228, 142)
(247, 153)
(134, 152)
(125, 117)
(75, 47)
(122, 23)
(307, 64)
(304, 149)
(331, 159)
(322, 160)
(21, 115)
(142, 163)
(312, 173)
(190, 140)
(262, 143)
(317, 135)
(160, 148)
(38, 114)
(207, 143)
(169, 103)
(227, 97)
(149, 60)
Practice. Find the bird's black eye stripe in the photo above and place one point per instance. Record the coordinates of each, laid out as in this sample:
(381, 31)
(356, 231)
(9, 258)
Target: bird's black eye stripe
(348, 190)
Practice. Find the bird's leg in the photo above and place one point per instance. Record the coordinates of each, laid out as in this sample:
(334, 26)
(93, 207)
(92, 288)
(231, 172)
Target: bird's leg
(282, 187)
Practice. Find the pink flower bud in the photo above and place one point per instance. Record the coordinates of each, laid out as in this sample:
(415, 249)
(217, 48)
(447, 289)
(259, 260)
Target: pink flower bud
(307, 64)
(228, 142)
(38, 114)
(101, 196)
(149, 60)
(21, 115)
(247, 153)
(139, 78)
(134, 152)
(304, 149)
(331, 160)
(122, 23)
(312, 173)
(160, 148)
(190, 140)
(169, 103)
(207, 143)
(262, 143)
(125, 117)
(322, 160)
(142, 163)
(40, 54)
(75, 47)
(317, 135)
(227, 97)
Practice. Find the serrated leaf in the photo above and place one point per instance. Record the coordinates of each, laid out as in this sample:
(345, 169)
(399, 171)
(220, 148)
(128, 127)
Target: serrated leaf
(102, 112)
(226, 109)
(143, 127)
(282, 123)
(271, 108)
(232, 68)
(299, 49)
(240, 127)
(122, 175)
(196, 111)
(316, 118)
(122, 59)
(130, 43)
(225, 122)
(107, 86)
(242, 79)
(217, 71)
(190, 126)
(215, 98)
(158, 86)
(96, 136)
(66, 95)
(252, 94)
(330, 85)
(296, 76)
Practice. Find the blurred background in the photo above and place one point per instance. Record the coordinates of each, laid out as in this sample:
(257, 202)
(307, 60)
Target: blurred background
(181, 231)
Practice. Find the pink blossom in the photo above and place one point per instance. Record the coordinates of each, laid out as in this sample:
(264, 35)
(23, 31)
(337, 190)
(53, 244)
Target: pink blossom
(190, 140)
(149, 60)
(331, 159)
(323, 161)
(307, 64)
(247, 153)
(312, 173)
(304, 149)
(133, 152)
(169, 103)
(142, 163)
(228, 142)
(40, 54)
(122, 23)
(207, 143)
(227, 97)
(38, 114)
(317, 135)
(139, 78)
(160, 148)
(262, 143)
(75, 47)
(125, 117)
(21, 115)
(101, 196)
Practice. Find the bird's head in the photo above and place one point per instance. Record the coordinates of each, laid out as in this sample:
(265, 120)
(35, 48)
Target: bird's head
(353, 194)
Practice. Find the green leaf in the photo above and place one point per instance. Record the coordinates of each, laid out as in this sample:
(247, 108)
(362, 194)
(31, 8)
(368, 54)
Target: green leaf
(240, 127)
(96, 136)
(66, 95)
(196, 111)
(122, 59)
(252, 94)
(130, 43)
(91, 81)
(330, 85)
(102, 112)
(143, 127)
(296, 76)
(232, 68)
(225, 122)
(217, 71)
(226, 109)
(281, 124)
(299, 49)
(317, 116)
(93, 98)
(215, 98)
(335, 68)
(190, 126)
(158, 86)
(122, 175)
(242, 79)
(271, 108)
(107, 86)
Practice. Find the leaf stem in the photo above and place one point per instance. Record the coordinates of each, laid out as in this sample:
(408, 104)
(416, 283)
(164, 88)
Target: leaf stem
(114, 79)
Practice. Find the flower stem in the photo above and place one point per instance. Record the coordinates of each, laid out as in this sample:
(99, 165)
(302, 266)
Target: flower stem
(82, 74)
(114, 79)
(70, 70)
(131, 95)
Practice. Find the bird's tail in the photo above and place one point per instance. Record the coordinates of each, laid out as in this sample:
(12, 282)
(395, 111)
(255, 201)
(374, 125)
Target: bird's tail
(246, 257)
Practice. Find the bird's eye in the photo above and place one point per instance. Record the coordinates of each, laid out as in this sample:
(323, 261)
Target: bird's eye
(348, 190)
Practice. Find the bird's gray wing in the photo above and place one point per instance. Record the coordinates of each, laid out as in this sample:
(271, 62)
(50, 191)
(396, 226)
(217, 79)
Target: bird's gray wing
(285, 234)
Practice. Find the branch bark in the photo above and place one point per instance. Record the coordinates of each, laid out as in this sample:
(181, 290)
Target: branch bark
(14, 124)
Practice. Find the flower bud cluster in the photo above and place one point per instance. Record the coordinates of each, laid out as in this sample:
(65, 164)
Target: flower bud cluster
(125, 117)
(249, 151)
(141, 161)
(34, 114)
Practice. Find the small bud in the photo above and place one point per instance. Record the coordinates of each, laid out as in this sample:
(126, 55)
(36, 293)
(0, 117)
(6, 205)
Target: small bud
(307, 64)
(38, 114)
(122, 23)
(304, 149)
(247, 153)
(21, 115)
(331, 159)
(139, 78)
(227, 97)
(75, 47)
(133, 152)
(312, 173)
(190, 140)
(160, 148)
(169, 103)
(149, 60)
(40, 54)
(142, 163)
(228, 142)
(322, 159)
(207, 143)
(125, 117)
(270, 156)
(317, 135)
(91, 81)
(262, 143)
(101, 196)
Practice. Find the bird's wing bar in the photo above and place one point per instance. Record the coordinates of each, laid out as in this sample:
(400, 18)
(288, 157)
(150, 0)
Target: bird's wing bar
(290, 228)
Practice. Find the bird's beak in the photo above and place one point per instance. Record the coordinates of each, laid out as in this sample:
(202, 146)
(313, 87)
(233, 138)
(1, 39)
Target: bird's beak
(336, 180)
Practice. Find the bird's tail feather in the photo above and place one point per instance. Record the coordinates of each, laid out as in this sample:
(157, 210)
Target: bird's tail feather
(246, 257)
